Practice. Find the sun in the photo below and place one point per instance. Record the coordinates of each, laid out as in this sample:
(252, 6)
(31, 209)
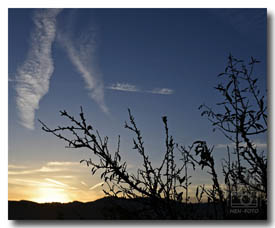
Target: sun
(49, 195)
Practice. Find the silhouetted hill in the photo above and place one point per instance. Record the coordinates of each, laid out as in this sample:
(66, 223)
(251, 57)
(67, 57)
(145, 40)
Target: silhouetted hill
(105, 208)
(115, 208)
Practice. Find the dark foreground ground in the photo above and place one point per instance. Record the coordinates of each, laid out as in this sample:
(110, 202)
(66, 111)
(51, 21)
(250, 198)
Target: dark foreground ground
(119, 208)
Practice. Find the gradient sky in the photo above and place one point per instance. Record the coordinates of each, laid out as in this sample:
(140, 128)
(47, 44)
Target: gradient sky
(155, 61)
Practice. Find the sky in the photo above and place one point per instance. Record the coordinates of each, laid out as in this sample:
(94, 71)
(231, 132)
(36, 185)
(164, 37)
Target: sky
(154, 61)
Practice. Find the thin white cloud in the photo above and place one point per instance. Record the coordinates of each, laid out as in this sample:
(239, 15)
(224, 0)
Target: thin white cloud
(232, 145)
(162, 91)
(50, 183)
(261, 145)
(123, 87)
(46, 169)
(223, 146)
(56, 182)
(57, 163)
(65, 177)
(97, 185)
(83, 183)
(33, 183)
(33, 77)
(49, 167)
(29, 182)
(81, 54)
(126, 87)
(43, 169)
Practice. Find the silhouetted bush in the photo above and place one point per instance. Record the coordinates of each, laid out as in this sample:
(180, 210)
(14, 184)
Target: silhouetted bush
(243, 114)
(242, 117)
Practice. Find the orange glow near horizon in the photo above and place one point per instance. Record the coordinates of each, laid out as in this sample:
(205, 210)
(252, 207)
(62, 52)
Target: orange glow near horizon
(49, 195)
(62, 181)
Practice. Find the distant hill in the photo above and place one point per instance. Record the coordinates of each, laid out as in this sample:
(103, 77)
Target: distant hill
(105, 208)
(112, 208)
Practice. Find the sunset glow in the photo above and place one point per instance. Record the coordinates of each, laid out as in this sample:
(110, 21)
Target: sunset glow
(53, 182)
(109, 83)
(48, 195)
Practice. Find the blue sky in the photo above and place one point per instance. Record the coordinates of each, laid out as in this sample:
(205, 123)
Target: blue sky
(155, 61)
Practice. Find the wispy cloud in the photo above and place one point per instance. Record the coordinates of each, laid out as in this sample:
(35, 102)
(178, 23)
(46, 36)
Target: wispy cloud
(24, 181)
(34, 183)
(232, 145)
(56, 182)
(97, 185)
(49, 167)
(83, 183)
(82, 55)
(65, 176)
(123, 87)
(50, 183)
(43, 169)
(126, 87)
(162, 91)
(46, 169)
(65, 163)
(33, 77)
(60, 184)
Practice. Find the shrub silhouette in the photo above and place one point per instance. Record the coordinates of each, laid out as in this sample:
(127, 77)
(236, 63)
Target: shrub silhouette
(242, 117)
(160, 184)
(242, 114)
